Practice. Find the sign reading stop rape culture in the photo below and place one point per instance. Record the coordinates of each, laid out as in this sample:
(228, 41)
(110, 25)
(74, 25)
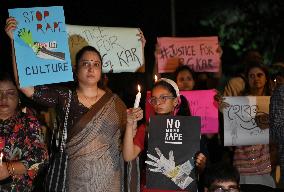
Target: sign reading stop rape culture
(199, 53)
(41, 46)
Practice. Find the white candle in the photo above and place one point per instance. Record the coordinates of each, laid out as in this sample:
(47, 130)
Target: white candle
(156, 78)
(137, 99)
(1, 157)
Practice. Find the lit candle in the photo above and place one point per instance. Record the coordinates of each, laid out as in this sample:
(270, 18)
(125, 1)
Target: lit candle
(137, 99)
(274, 80)
(156, 78)
(1, 157)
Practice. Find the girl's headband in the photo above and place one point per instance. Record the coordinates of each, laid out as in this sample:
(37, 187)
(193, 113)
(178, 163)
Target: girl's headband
(172, 83)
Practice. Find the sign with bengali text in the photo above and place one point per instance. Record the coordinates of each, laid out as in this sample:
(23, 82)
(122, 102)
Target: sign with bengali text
(246, 120)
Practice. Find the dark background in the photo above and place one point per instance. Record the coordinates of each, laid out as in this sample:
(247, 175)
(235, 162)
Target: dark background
(155, 19)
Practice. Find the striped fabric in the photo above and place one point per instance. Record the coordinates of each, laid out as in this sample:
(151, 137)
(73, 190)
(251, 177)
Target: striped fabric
(94, 154)
(252, 159)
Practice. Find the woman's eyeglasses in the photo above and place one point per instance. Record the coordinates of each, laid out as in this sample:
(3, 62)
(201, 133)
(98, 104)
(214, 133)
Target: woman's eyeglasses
(162, 99)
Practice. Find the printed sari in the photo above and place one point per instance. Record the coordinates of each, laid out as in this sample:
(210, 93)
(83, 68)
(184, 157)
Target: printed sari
(94, 152)
(94, 149)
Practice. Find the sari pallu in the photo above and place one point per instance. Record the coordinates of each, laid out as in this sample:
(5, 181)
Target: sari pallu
(94, 152)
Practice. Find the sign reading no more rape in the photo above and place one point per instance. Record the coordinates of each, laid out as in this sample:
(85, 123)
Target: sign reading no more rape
(120, 48)
(41, 46)
(199, 53)
(172, 145)
(246, 120)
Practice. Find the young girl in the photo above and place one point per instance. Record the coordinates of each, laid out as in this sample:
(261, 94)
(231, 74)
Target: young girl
(165, 101)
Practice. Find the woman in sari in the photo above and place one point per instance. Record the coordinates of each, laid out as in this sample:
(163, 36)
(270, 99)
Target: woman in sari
(95, 125)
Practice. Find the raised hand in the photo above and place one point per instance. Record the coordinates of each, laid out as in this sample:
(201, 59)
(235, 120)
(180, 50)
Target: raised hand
(219, 98)
(141, 38)
(133, 115)
(11, 25)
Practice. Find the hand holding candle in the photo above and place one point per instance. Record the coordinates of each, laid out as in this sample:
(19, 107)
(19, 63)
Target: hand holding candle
(137, 99)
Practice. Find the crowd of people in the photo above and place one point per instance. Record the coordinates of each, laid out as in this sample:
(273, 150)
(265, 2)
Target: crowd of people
(103, 134)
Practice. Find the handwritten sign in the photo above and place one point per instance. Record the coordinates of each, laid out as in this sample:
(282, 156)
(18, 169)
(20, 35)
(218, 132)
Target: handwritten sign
(120, 48)
(201, 103)
(199, 53)
(41, 46)
(246, 121)
(177, 138)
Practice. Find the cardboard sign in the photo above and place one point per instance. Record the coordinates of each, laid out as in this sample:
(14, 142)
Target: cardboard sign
(120, 48)
(201, 103)
(246, 121)
(172, 145)
(199, 53)
(41, 46)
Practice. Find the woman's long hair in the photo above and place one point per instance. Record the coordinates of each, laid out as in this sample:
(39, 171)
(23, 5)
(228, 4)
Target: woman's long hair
(267, 87)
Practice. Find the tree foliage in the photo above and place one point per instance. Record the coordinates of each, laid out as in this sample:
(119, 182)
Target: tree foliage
(248, 24)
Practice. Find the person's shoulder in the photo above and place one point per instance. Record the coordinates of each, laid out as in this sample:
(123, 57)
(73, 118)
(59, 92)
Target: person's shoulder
(116, 99)
(281, 88)
(28, 116)
(53, 87)
(278, 92)
(119, 100)
(30, 120)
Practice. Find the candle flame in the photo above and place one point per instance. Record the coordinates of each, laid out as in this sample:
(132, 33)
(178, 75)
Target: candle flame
(274, 80)
(156, 78)
(139, 88)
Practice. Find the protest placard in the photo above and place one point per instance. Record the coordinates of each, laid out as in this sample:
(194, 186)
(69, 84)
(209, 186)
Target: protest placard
(41, 46)
(246, 120)
(199, 53)
(120, 47)
(202, 103)
(172, 145)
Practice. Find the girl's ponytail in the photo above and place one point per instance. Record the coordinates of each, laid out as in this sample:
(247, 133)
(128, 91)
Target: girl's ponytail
(183, 107)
